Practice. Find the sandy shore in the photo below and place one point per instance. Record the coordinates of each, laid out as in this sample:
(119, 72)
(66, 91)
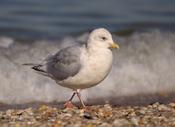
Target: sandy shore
(160, 115)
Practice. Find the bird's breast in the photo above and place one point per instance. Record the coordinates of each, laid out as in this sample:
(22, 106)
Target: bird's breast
(99, 65)
(95, 67)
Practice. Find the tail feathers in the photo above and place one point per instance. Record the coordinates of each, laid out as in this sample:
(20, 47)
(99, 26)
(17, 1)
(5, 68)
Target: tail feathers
(30, 64)
(38, 68)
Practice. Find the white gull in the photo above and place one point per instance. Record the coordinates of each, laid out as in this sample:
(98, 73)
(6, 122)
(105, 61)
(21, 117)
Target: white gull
(81, 66)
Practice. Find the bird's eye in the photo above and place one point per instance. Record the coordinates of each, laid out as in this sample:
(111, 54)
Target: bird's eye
(103, 38)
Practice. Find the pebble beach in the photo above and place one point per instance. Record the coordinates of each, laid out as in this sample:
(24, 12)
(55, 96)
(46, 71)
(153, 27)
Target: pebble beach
(154, 115)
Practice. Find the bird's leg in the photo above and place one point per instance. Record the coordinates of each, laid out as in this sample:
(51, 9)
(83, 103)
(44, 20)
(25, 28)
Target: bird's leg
(79, 97)
(72, 96)
(69, 104)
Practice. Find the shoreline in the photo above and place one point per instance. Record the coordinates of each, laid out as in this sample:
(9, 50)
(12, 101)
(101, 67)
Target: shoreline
(132, 100)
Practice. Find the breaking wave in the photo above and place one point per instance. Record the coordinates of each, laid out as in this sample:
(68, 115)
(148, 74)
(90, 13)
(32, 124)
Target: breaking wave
(145, 64)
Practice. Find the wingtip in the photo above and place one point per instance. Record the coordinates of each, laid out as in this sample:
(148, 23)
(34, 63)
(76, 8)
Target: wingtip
(29, 64)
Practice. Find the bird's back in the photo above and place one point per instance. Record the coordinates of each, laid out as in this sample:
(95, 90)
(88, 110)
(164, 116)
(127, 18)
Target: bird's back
(64, 63)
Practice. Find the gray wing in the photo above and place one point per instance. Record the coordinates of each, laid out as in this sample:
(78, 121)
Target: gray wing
(65, 63)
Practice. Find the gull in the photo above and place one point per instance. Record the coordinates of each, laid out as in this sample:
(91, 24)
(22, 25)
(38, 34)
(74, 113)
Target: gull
(81, 66)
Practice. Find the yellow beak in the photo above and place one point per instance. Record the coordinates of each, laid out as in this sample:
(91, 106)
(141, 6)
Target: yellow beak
(114, 45)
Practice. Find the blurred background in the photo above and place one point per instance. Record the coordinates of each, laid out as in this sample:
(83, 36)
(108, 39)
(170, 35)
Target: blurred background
(32, 29)
(57, 18)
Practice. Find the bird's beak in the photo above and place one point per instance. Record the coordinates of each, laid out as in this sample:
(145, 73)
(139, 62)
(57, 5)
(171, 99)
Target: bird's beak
(114, 45)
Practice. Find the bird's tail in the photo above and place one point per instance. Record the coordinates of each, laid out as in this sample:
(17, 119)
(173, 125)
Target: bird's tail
(38, 68)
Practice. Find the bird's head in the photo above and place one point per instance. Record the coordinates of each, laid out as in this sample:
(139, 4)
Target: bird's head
(101, 38)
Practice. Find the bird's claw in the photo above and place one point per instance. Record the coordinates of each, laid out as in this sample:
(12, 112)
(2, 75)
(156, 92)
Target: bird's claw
(68, 104)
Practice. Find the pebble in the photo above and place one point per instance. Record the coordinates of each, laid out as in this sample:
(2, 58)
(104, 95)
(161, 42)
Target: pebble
(121, 123)
(100, 115)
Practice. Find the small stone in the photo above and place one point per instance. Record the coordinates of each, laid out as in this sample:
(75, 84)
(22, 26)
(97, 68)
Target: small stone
(105, 113)
(108, 106)
(105, 125)
(9, 112)
(155, 105)
(121, 123)
(43, 108)
(142, 112)
(87, 115)
(162, 107)
(29, 122)
(17, 125)
(19, 112)
(29, 111)
(90, 125)
(68, 115)
(135, 121)
(172, 105)
(57, 124)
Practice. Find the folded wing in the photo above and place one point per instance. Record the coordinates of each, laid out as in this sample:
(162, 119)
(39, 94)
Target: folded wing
(65, 63)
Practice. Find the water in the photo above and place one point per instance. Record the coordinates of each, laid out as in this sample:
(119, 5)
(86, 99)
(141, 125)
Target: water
(143, 67)
(56, 18)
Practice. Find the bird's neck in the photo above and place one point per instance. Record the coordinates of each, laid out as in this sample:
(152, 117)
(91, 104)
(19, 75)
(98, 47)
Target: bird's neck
(93, 47)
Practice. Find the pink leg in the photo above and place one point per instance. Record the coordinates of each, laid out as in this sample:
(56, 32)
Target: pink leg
(79, 97)
(69, 104)
(72, 96)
